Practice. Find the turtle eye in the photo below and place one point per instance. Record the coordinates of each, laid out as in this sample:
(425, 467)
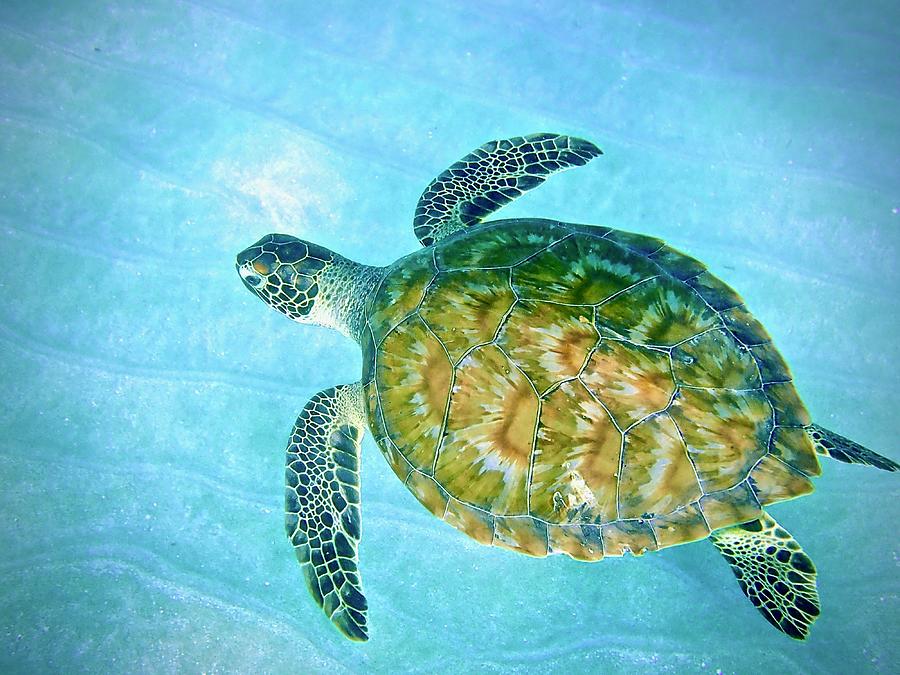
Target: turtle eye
(253, 280)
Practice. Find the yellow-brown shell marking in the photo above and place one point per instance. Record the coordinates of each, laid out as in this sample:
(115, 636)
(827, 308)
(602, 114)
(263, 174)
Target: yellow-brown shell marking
(576, 459)
(486, 453)
(547, 341)
(416, 373)
(470, 306)
(633, 381)
(555, 388)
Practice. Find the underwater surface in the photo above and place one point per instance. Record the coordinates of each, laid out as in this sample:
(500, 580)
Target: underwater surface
(148, 396)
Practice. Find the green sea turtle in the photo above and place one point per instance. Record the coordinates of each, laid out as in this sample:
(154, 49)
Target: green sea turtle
(548, 388)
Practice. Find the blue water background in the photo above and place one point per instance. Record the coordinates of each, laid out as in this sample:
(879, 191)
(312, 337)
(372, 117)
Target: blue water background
(148, 397)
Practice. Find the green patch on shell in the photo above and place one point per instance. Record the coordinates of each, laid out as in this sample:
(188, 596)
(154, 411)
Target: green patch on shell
(400, 292)
(471, 305)
(715, 359)
(580, 270)
(498, 246)
(660, 311)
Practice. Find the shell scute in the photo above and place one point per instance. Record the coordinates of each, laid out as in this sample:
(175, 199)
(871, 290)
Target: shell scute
(428, 492)
(492, 246)
(679, 265)
(773, 481)
(737, 504)
(659, 311)
(789, 410)
(726, 432)
(630, 380)
(639, 243)
(474, 522)
(549, 342)
(714, 359)
(373, 409)
(628, 536)
(579, 270)
(592, 230)
(772, 367)
(414, 376)
(580, 542)
(680, 526)
(744, 326)
(486, 451)
(400, 293)
(657, 475)
(521, 533)
(793, 446)
(479, 300)
(576, 459)
(716, 293)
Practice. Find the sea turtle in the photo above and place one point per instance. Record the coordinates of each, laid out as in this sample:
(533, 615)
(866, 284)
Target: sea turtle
(548, 388)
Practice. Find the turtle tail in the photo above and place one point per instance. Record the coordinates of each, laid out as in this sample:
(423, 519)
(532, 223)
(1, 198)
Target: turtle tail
(843, 449)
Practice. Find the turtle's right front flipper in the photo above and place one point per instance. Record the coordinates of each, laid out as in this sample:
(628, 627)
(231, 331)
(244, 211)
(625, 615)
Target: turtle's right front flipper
(492, 176)
(322, 503)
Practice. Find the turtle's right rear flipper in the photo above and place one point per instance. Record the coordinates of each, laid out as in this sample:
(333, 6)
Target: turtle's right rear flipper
(843, 449)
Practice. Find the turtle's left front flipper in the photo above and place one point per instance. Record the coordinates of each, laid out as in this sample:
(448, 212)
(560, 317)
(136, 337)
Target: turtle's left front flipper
(491, 176)
(774, 572)
(322, 503)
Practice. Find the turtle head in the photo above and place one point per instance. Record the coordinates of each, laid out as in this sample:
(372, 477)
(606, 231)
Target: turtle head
(286, 273)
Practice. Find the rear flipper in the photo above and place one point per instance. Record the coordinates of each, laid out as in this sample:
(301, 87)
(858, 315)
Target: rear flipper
(774, 572)
(843, 449)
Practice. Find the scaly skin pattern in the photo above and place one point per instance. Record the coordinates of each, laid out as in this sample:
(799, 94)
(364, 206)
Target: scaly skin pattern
(308, 283)
(554, 388)
(492, 176)
(322, 517)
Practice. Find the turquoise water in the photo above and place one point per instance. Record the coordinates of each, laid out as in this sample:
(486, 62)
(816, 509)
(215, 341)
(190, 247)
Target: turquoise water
(149, 396)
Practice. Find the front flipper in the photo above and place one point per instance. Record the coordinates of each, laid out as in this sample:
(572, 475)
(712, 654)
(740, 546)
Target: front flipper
(774, 572)
(322, 503)
(492, 176)
(843, 449)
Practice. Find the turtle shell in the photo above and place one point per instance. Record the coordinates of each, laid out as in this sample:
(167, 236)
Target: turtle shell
(559, 388)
